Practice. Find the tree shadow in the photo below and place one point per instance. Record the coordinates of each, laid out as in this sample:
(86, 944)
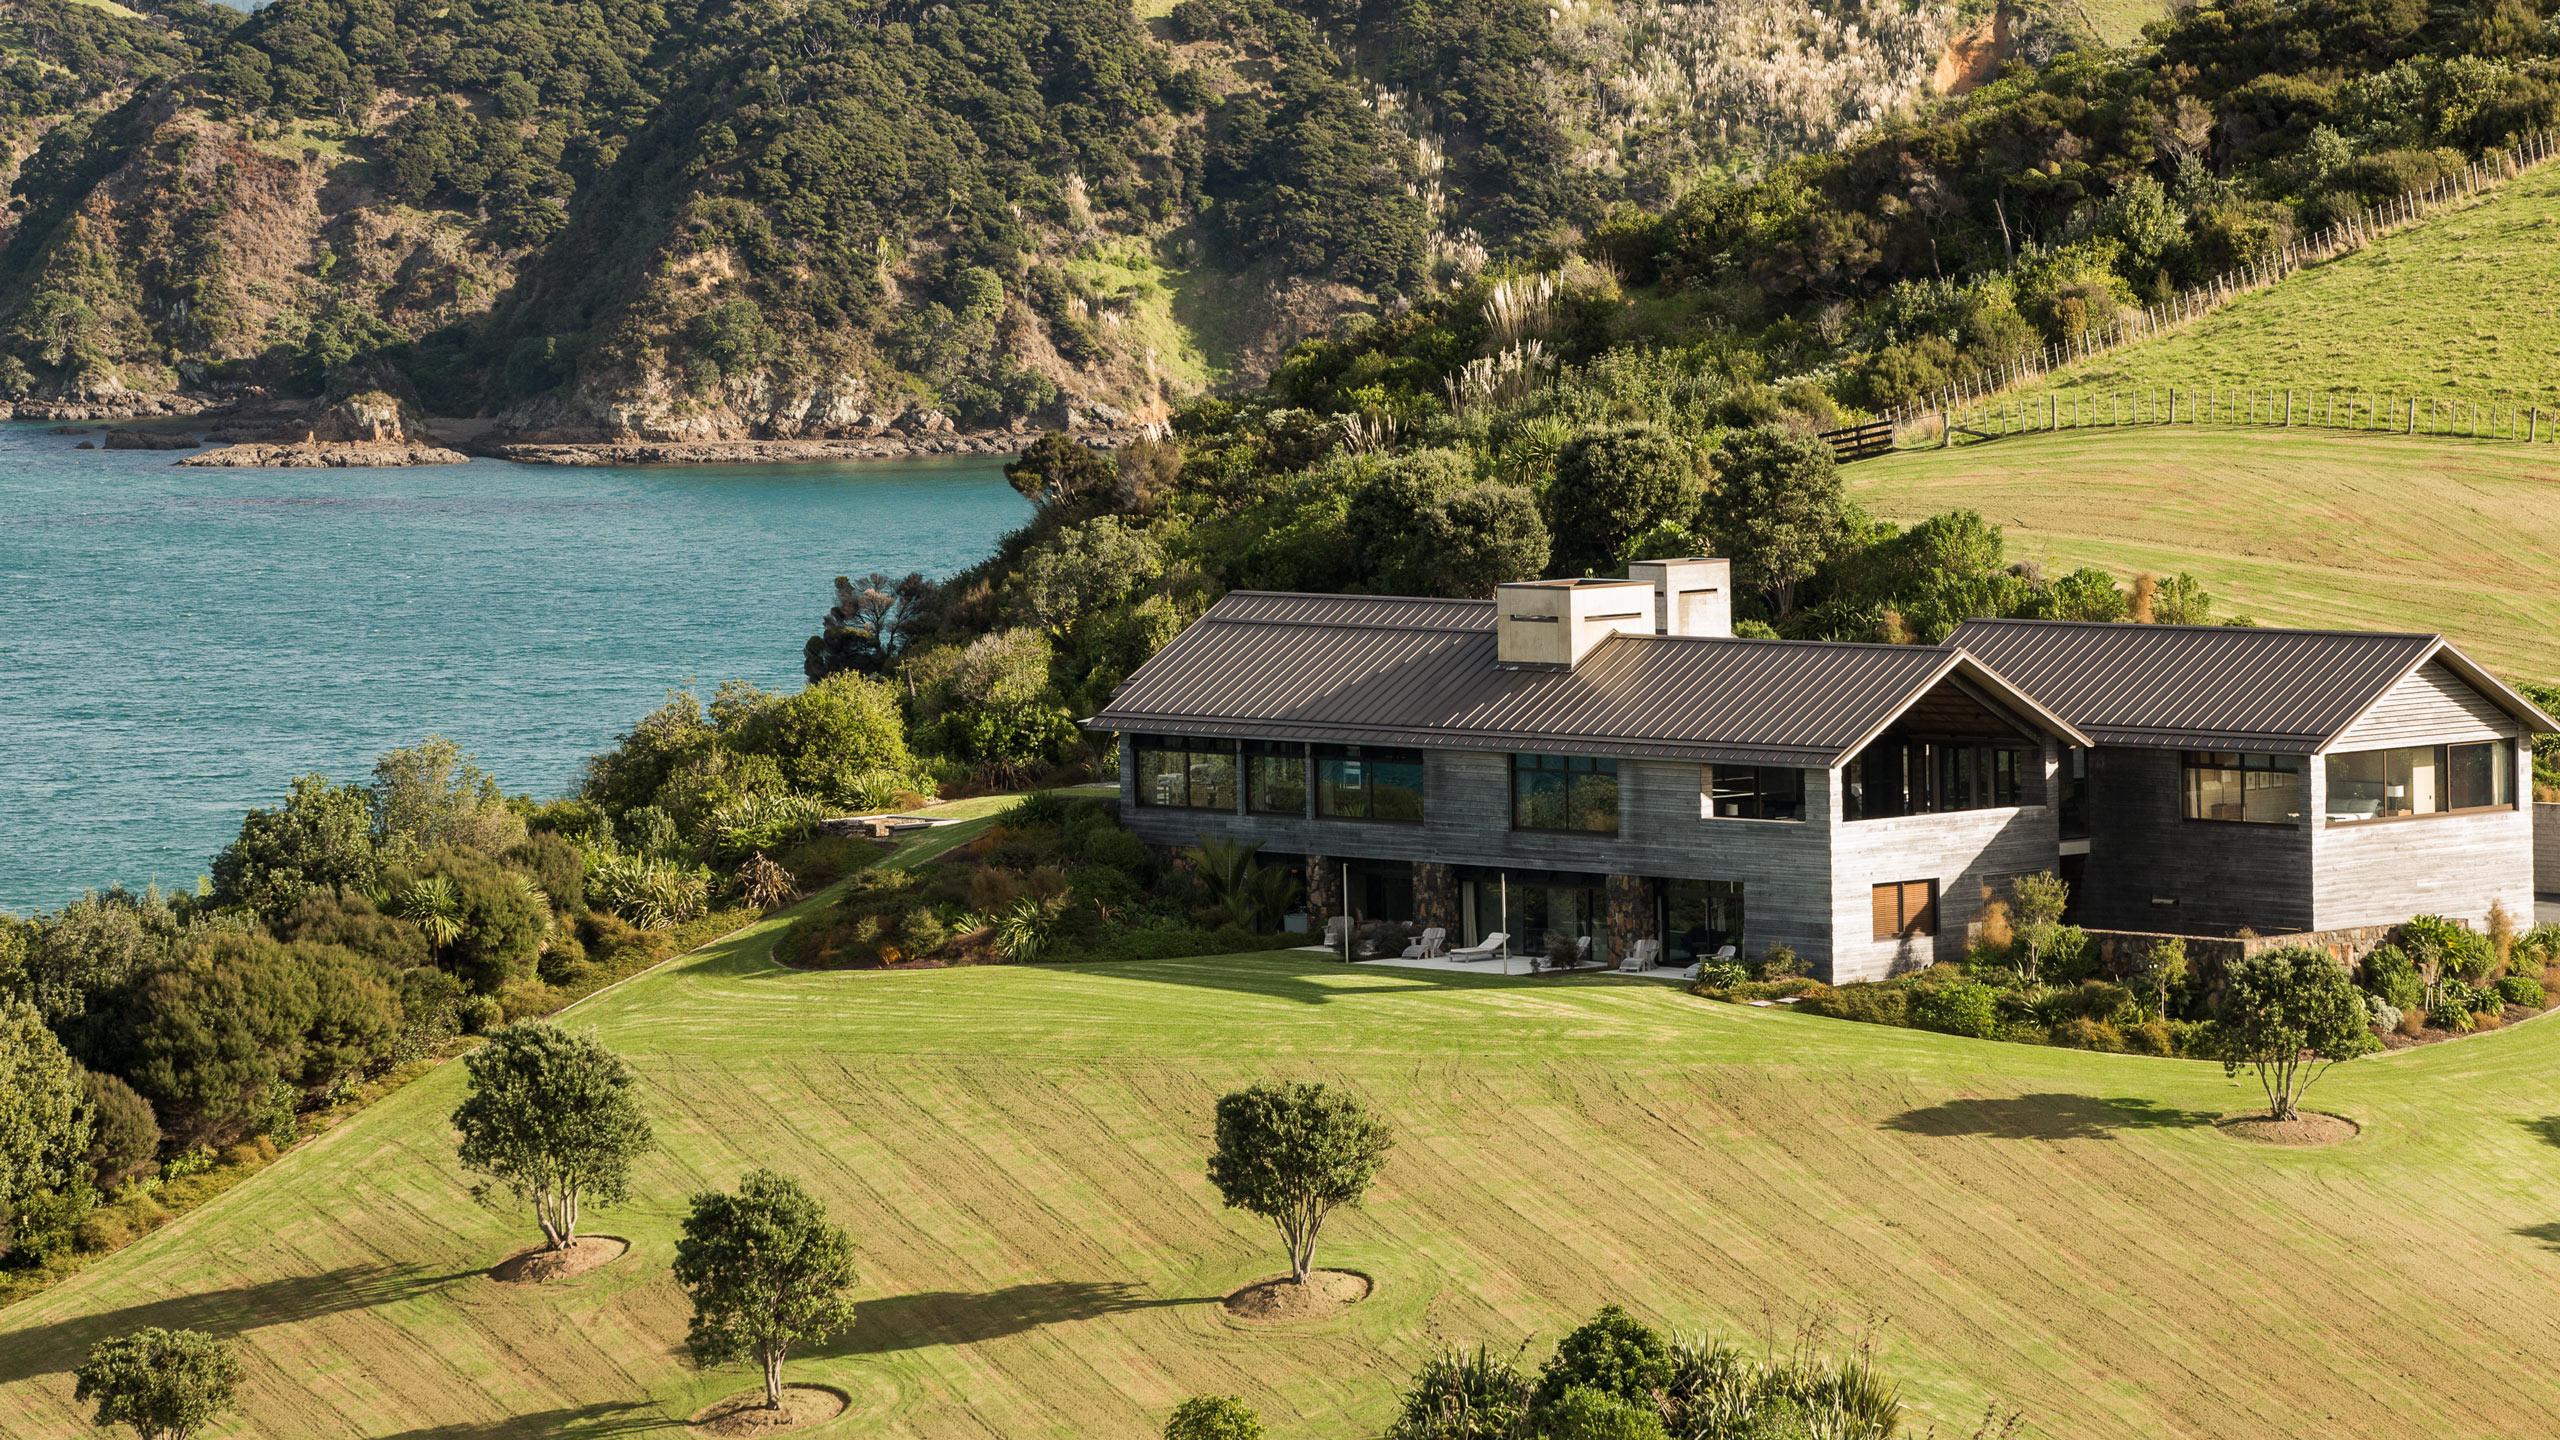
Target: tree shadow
(2046, 1117)
(597, 1420)
(62, 1345)
(2548, 1233)
(2546, 1129)
(959, 1317)
(1303, 977)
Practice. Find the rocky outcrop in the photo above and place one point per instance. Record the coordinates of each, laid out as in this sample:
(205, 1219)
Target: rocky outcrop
(772, 452)
(357, 456)
(150, 440)
(128, 406)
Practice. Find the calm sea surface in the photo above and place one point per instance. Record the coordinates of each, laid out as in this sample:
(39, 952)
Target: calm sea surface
(176, 644)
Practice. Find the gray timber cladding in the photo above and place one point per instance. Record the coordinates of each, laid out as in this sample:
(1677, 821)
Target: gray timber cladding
(1424, 672)
(2433, 706)
(2200, 686)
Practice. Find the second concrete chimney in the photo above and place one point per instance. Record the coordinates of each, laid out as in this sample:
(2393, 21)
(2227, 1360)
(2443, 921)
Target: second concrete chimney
(1691, 596)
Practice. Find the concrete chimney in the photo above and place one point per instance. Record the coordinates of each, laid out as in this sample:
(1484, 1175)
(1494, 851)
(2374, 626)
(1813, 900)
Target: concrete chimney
(1552, 624)
(1691, 596)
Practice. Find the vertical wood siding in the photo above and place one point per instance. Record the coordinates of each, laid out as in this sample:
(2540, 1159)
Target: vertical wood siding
(2381, 872)
(2430, 706)
(2223, 875)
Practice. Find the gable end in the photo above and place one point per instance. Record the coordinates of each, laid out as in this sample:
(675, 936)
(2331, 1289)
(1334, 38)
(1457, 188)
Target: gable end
(2429, 705)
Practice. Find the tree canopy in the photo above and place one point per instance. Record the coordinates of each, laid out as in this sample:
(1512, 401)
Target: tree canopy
(1294, 1152)
(2288, 1014)
(766, 1272)
(166, 1384)
(556, 1118)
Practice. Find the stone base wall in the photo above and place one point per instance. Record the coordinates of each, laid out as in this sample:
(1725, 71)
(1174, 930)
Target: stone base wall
(1631, 913)
(1435, 897)
(2208, 955)
(1324, 891)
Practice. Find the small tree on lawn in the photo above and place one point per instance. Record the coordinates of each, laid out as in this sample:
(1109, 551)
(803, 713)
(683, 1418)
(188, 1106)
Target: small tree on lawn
(1291, 1153)
(555, 1118)
(166, 1384)
(1213, 1417)
(2289, 1013)
(2039, 902)
(2161, 969)
(766, 1272)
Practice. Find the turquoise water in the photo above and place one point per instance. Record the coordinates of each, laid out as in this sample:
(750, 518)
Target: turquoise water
(177, 644)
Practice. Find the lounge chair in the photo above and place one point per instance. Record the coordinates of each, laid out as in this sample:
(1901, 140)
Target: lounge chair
(1642, 955)
(1434, 941)
(1337, 930)
(1484, 949)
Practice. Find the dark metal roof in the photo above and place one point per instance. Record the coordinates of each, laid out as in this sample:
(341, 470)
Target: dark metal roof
(1361, 670)
(2199, 685)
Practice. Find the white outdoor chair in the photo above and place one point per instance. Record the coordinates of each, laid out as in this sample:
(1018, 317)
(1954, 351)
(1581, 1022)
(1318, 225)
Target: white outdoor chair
(1336, 930)
(1434, 941)
(1484, 949)
(1643, 955)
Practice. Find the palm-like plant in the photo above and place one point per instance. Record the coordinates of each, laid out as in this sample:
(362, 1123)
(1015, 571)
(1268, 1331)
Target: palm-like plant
(765, 883)
(433, 906)
(1226, 866)
(1269, 891)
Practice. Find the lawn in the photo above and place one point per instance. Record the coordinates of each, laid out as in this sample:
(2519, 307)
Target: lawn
(2460, 306)
(2291, 527)
(1018, 1151)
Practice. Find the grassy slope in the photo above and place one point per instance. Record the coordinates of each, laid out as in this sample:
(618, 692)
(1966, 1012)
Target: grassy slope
(2291, 527)
(1018, 1151)
(2459, 306)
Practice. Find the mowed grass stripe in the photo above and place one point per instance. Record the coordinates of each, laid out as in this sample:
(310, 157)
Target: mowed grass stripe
(1019, 1149)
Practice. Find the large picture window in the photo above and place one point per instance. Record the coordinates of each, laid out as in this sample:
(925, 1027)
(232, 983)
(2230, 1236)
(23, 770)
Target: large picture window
(1186, 774)
(1920, 777)
(1275, 777)
(1754, 792)
(2421, 780)
(1367, 782)
(1564, 792)
(2245, 789)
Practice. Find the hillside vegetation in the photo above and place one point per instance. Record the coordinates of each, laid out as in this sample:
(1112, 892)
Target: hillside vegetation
(1018, 1151)
(2287, 527)
(2460, 306)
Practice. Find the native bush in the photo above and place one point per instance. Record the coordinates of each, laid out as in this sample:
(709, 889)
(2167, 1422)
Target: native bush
(1874, 1003)
(2391, 978)
(1957, 1007)
(1612, 1354)
(2522, 990)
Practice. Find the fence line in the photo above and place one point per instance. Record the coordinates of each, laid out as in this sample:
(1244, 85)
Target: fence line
(2340, 408)
(2351, 233)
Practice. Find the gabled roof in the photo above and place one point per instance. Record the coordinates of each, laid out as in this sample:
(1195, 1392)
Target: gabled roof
(2215, 686)
(1396, 671)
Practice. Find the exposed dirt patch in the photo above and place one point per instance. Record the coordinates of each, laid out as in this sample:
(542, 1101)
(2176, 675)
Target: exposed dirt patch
(541, 1264)
(2307, 1127)
(1327, 1292)
(745, 1413)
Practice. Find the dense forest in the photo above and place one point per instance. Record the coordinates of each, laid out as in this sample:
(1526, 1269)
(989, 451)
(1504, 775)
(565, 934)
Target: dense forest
(699, 219)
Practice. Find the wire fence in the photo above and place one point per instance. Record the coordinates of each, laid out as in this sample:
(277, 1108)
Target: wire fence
(2342, 408)
(2353, 232)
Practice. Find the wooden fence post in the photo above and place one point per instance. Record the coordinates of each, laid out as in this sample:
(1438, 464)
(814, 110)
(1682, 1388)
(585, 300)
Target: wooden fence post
(2288, 409)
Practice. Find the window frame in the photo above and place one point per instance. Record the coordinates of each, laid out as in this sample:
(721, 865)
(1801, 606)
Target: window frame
(1711, 792)
(1189, 747)
(2502, 776)
(2187, 792)
(1908, 925)
(1249, 775)
(1586, 768)
(1372, 757)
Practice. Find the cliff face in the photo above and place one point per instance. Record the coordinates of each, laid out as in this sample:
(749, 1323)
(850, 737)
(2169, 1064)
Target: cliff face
(651, 221)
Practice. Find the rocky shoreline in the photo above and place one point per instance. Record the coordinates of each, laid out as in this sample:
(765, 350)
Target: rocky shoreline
(772, 452)
(319, 455)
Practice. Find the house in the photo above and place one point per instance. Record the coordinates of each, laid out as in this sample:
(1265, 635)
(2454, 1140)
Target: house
(1586, 764)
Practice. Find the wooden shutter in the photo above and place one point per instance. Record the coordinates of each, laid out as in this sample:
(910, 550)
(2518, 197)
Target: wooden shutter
(1888, 908)
(1920, 907)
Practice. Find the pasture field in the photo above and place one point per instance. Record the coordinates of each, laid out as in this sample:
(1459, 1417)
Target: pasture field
(2290, 527)
(1018, 1151)
(2460, 306)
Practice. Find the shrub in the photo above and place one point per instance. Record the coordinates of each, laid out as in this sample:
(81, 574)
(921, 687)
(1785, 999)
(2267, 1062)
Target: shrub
(1460, 1395)
(1957, 1007)
(1583, 1413)
(2466, 951)
(2151, 1037)
(1721, 974)
(1213, 1417)
(2390, 977)
(2386, 1016)
(2079, 1032)
(1867, 1002)
(47, 1223)
(1780, 962)
(2522, 990)
(1612, 1354)
(481, 1014)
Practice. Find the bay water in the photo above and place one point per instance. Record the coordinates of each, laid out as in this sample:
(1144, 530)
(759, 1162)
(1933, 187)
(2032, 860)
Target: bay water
(176, 644)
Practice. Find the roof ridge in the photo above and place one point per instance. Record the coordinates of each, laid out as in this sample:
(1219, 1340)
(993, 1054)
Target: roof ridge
(2131, 626)
(1345, 595)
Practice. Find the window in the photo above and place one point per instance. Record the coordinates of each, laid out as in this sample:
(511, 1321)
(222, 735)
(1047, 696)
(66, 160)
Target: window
(2075, 794)
(1190, 774)
(1754, 792)
(1701, 919)
(2247, 789)
(1564, 792)
(1275, 777)
(1918, 777)
(2421, 780)
(1906, 908)
(1365, 782)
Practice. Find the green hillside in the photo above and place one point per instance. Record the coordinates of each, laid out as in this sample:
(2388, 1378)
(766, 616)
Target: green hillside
(2296, 527)
(2461, 305)
(1018, 1151)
